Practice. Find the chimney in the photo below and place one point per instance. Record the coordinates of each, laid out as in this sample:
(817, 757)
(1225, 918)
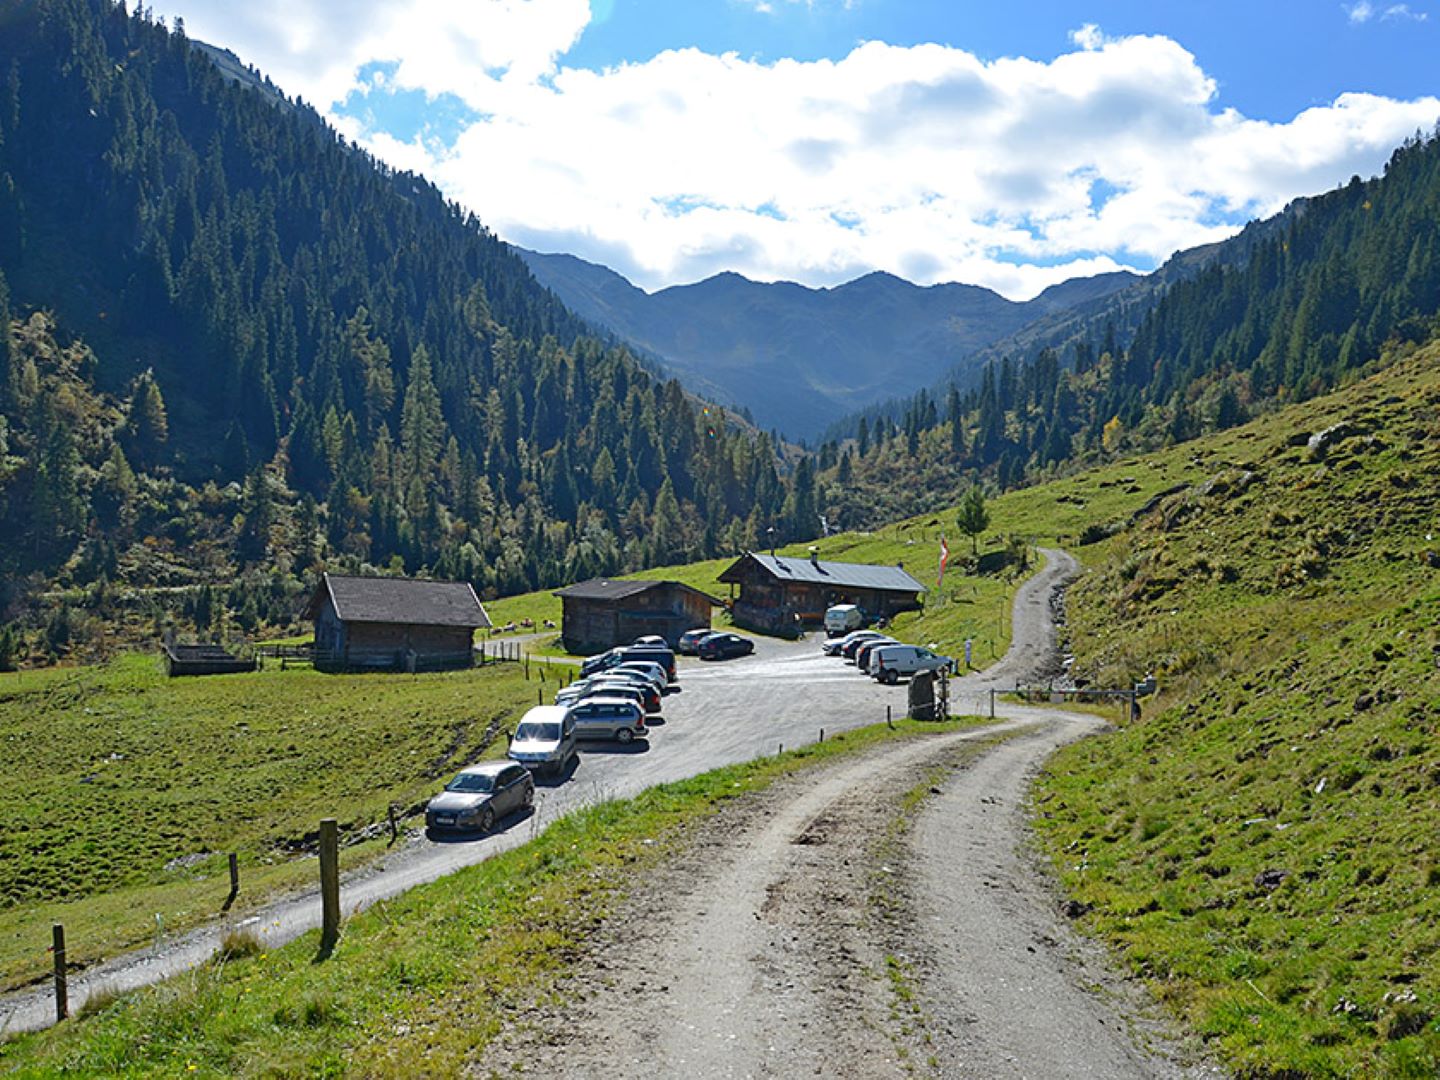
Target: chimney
(814, 556)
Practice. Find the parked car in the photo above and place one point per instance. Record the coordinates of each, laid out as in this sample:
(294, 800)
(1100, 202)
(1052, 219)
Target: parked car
(659, 654)
(480, 795)
(843, 618)
(651, 669)
(889, 662)
(645, 678)
(835, 646)
(688, 642)
(720, 646)
(609, 659)
(861, 640)
(609, 718)
(652, 639)
(862, 654)
(643, 695)
(544, 740)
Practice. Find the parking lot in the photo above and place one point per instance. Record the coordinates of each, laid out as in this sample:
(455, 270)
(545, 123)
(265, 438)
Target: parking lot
(726, 711)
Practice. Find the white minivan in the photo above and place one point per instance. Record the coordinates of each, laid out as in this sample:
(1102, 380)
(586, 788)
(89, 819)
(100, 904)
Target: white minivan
(842, 618)
(889, 662)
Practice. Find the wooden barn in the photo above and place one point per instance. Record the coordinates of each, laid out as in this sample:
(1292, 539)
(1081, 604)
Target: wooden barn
(603, 612)
(394, 623)
(780, 594)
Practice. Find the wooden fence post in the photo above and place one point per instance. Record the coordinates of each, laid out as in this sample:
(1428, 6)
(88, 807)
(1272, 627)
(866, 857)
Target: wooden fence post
(62, 996)
(888, 722)
(234, 882)
(329, 885)
(394, 828)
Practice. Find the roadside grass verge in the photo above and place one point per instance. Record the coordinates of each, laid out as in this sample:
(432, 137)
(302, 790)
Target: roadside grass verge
(1261, 846)
(125, 790)
(421, 983)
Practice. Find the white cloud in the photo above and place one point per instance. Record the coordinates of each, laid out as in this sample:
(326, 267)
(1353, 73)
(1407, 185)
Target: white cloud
(925, 161)
(1364, 11)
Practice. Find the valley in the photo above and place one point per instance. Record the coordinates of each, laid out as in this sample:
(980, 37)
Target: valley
(252, 344)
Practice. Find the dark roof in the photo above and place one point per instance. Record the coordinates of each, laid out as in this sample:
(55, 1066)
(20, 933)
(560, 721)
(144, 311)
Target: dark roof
(399, 600)
(612, 589)
(842, 574)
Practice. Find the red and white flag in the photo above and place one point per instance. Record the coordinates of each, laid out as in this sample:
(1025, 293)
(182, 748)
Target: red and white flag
(944, 559)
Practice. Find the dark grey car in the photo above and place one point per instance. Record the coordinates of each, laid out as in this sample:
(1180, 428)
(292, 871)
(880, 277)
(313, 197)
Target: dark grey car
(480, 795)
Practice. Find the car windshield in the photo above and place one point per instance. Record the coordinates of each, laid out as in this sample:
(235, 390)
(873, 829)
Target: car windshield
(538, 732)
(472, 782)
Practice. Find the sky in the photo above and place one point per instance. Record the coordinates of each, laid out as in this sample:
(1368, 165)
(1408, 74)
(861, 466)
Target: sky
(1011, 145)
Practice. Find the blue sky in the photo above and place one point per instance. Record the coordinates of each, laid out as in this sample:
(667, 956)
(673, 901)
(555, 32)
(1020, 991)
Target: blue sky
(1007, 145)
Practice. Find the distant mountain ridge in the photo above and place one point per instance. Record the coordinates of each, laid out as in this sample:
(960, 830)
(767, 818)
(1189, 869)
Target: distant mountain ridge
(798, 358)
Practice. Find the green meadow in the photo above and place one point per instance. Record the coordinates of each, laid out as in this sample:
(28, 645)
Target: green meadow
(125, 790)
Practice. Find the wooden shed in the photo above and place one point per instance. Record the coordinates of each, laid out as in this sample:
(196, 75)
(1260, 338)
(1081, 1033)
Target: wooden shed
(603, 612)
(780, 594)
(394, 623)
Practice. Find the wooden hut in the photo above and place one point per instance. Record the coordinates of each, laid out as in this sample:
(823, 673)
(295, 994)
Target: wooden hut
(780, 594)
(603, 612)
(394, 623)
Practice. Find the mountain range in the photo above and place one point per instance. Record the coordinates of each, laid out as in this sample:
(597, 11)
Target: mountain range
(797, 359)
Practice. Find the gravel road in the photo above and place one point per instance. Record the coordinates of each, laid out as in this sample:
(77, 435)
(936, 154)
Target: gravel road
(734, 711)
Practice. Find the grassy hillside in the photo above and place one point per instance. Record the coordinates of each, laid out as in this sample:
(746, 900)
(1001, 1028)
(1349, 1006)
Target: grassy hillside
(124, 790)
(1262, 845)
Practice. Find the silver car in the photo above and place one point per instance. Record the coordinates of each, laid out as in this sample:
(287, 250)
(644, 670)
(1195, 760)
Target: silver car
(479, 796)
(581, 691)
(544, 740)
(608, 718)
(655, 672)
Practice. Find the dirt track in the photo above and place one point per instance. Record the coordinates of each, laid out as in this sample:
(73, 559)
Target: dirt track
(818, 930)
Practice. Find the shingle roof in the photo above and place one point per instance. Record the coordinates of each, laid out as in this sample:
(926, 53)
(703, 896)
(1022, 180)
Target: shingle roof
(844, 575)
(400, 600)
(613, 589)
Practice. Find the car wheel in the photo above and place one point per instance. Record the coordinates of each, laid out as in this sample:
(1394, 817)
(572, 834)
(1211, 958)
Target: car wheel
(624, 735)
(891, 677)
(529, 800)
(487, 819)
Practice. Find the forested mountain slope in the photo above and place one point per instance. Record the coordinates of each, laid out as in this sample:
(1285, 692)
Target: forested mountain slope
(242, 342)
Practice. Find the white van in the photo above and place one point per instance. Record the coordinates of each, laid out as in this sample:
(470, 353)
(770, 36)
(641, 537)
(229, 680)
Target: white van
(889, 662)
(544, 740)
(842, 618)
